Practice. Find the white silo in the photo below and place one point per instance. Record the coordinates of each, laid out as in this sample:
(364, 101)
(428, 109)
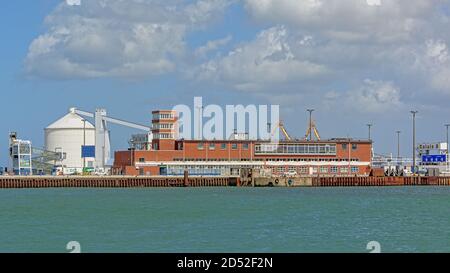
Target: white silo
(69, 134)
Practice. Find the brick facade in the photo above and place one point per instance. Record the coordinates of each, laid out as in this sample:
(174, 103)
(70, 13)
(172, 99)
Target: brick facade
(349, 153)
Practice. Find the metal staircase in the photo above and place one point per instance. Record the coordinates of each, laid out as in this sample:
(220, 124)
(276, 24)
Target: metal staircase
(44, 161)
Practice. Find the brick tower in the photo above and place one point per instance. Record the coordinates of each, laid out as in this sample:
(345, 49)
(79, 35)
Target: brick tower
(164, 129)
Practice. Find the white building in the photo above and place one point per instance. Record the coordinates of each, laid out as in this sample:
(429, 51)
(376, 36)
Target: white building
(68, 134)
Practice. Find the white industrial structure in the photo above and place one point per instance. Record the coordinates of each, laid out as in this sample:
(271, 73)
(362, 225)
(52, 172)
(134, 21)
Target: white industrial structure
(69, 134)
(20, 155)
(102, 141)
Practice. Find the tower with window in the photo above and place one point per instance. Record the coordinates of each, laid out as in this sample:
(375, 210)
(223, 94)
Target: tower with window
(164, 129)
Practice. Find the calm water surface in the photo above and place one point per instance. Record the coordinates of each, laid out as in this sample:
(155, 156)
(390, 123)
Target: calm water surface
(407, 219)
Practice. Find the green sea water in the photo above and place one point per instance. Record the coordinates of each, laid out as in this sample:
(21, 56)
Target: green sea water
(406, 219)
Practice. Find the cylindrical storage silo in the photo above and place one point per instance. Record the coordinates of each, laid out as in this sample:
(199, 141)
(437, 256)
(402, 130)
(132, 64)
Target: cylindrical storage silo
(69, 134)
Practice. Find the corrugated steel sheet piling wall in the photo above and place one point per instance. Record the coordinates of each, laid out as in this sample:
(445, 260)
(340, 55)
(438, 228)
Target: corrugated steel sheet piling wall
(379, 181)
(11, 182)
(113, 182)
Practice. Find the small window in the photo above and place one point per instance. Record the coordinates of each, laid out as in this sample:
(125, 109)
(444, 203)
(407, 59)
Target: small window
(141, 171)
(223, 146)
(323, 169)
(344, 146)
(234, 146)
(200, 146)
(344, 170)
(334, 169)
(354, 146)
(303, 169)
(212, 146)
(355, 169)
(141, 159)
(245, 146)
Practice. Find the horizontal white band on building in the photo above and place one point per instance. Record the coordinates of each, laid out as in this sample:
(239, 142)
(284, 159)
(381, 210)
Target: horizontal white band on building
(251, 163)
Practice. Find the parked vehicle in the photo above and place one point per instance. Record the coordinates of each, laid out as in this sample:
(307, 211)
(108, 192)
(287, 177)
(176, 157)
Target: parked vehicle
(100, 172)
(290, 173)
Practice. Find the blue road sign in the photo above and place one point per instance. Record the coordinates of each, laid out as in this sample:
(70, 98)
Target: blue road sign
(434, 158)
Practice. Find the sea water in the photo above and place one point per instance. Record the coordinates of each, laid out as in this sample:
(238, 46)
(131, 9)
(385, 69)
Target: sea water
(400, 219)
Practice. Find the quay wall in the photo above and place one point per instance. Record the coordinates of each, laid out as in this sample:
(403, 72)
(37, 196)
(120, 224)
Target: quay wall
(16, 182)
(13, 182)
(357, 181)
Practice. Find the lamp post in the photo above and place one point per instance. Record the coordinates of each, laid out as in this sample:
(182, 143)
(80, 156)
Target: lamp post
(398, 145)
(310, 123)
(414, 140)
(84, 144)
(200, 129)
(369, 125)
(446, 126)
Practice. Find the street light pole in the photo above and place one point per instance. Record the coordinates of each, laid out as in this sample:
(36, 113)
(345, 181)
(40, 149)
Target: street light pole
(370, 127)
(200, 125)
(84, 144)
(414, 139)
(310, 123)
(446, 126)
(398, 144)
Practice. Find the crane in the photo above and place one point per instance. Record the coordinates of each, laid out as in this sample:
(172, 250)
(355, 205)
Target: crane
(280, 125)
(314, 129)
(102, 139)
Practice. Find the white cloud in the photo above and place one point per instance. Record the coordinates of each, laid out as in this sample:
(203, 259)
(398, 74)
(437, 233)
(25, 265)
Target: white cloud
(372, 96)
(430, 64)
(436, 62)
(114, 38)
(402, 41)
(211, 46)
(373, 2)
(361, 20)
(437, 51)
(260, 64)
(441, 80)
(73, 2)
(204, 11)
(312, 46)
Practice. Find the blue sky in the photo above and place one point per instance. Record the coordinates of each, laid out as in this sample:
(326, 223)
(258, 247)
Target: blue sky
(354, 61)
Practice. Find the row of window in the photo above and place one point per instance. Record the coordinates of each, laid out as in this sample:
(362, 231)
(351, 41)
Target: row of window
(314, 170)
(304, 149)
(159, 116)
(163, 136)
(300, 149)
(202, 170)
(211, 159)
(157, 126)
(223, 146)
(354, 146)
(270, 159)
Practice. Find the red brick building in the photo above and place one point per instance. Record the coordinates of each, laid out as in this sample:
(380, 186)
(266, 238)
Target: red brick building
(171, 156)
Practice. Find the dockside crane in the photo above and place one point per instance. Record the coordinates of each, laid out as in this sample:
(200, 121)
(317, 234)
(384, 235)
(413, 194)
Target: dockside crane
(280, 125)
(314, 129)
